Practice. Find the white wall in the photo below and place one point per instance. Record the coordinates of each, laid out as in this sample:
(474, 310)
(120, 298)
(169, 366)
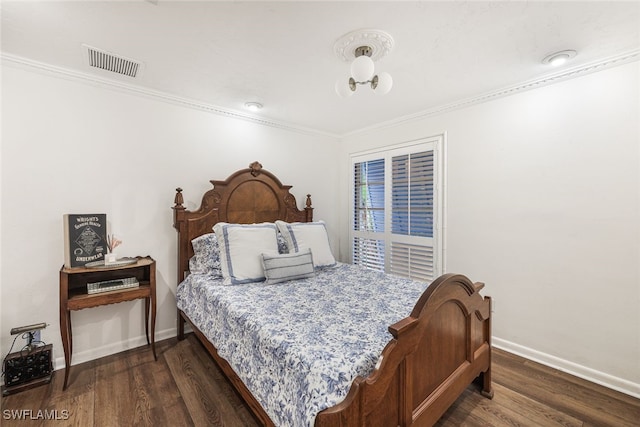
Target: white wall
(544, 207)
(72, 147)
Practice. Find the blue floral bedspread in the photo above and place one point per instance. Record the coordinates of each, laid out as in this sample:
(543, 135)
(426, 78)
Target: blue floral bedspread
(299, 345)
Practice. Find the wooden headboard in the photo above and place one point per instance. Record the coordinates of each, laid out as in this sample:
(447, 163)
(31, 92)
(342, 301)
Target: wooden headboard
(248, 196)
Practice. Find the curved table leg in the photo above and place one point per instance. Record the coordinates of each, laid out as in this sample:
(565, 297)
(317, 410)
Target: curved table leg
(65, 329)
(150, 305)
(146, 318)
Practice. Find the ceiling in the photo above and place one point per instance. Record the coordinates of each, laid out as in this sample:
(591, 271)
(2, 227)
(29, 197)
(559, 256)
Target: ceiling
(281, 54)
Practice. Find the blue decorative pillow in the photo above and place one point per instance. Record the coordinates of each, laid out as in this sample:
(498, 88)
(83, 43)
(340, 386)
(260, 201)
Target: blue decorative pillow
(284, 267)
(206, 258)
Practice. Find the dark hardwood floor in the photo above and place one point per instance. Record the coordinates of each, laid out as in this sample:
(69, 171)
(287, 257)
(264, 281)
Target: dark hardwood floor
(185, 388)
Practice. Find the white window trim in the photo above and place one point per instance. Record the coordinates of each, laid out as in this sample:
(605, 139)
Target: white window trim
(439, 145)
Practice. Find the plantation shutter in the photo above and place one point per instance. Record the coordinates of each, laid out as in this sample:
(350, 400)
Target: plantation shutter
(395, 211)
(368, 221)
(412, 192)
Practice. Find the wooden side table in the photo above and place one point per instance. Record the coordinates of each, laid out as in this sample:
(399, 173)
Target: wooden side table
(74, 296)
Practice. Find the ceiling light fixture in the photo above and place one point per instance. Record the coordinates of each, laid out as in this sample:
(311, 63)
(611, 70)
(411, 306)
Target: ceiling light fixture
(253, 106)
(364, 47)
(558, 58)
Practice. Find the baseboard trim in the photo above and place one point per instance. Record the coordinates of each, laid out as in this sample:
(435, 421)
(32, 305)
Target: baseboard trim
(107, 350)
(597, 377)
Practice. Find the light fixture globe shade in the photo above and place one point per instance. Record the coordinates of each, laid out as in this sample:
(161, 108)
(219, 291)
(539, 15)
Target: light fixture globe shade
(362, 68)
(343, 89)
(385, 82)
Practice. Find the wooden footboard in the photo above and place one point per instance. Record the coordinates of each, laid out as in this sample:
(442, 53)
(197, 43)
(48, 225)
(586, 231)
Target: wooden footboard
(436, 353)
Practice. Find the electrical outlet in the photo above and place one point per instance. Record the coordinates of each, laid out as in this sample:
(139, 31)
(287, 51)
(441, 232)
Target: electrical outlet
(493, 305)
(36, 336)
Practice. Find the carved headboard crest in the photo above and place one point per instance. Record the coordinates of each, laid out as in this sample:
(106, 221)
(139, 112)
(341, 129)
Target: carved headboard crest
(256, 167)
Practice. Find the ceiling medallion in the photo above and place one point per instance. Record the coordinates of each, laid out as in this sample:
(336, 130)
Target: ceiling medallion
(380, 42)
(362, 48)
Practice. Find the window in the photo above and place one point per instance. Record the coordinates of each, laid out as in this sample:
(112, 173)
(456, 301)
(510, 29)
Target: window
(368, 220)
(397, 210)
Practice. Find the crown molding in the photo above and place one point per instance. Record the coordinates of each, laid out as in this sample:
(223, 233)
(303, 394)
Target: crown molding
(592, 67)
(570, 73)
(93, 80)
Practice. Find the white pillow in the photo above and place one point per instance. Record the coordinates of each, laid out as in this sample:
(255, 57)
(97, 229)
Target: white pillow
(241, 249)
(312, 235)
(284, 267)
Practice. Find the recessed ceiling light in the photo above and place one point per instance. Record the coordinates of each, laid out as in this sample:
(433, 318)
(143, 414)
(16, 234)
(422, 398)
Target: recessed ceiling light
(559, 58)
(253, 106)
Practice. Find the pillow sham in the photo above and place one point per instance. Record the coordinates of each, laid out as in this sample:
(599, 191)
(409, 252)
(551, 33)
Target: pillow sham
(241, 247)
(206, 255)
(284, 267)
(312, 235)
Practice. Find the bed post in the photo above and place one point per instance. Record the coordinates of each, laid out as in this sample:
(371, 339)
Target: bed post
(178, 224)
(308, 209)
(485, 377)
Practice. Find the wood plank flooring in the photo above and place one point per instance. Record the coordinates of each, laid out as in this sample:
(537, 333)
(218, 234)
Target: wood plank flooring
(185, 388)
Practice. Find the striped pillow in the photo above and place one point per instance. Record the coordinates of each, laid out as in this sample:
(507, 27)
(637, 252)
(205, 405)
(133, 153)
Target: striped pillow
(283, 267)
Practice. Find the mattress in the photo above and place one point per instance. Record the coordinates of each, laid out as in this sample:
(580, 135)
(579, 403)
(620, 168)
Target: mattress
(298, 345)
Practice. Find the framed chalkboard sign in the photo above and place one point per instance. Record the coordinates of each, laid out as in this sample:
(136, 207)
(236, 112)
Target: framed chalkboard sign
(85, 239)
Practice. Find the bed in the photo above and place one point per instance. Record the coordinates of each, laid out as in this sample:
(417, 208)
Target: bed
(288, 346)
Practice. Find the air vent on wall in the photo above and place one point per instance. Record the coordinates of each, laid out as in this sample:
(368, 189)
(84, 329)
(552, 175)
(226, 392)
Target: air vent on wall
(108, 61)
